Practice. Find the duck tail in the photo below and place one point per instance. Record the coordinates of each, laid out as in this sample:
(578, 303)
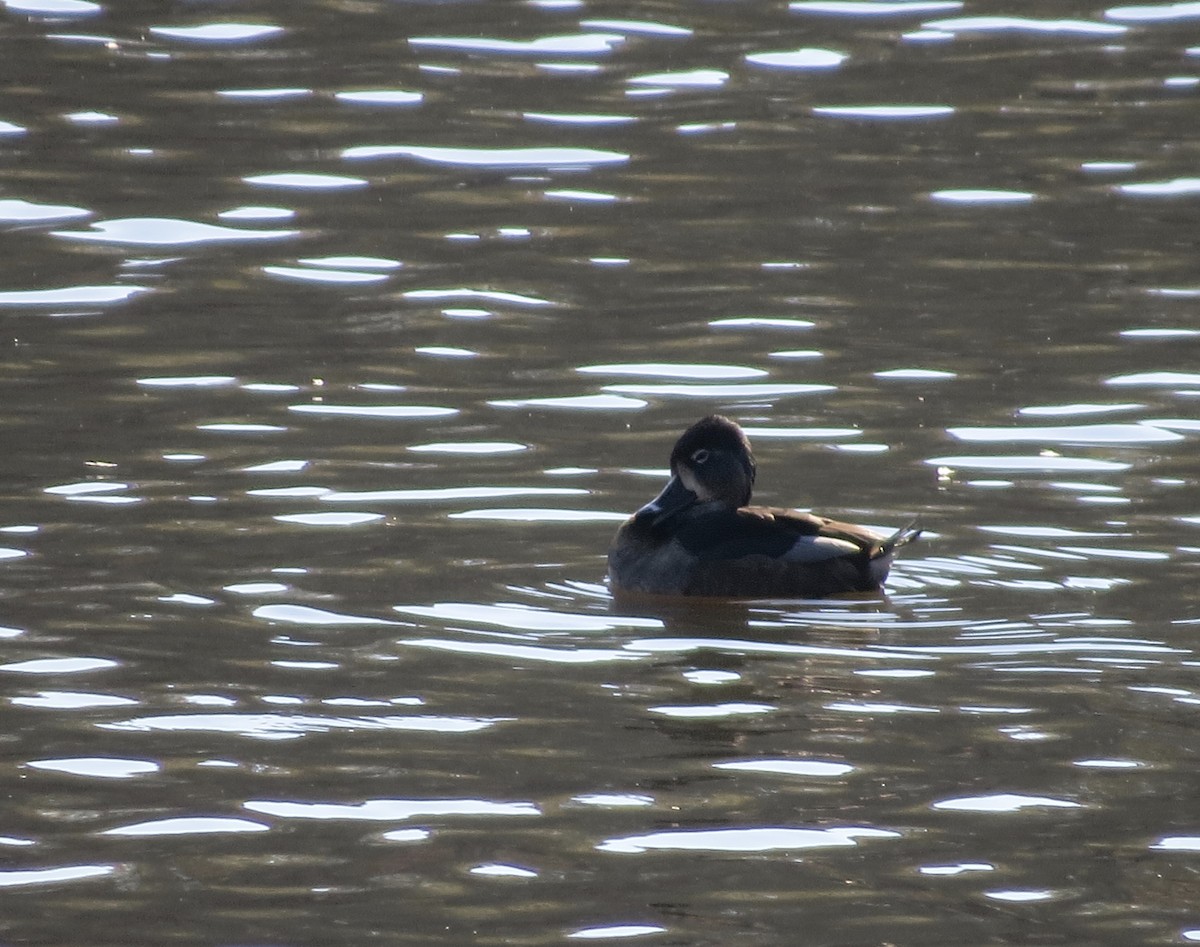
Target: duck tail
(904, 535)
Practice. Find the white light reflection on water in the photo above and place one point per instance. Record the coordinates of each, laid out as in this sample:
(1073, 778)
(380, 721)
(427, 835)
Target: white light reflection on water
(1072, 410)
(957, 868)
(713, 711)
(1098, 552)
(610, 800)
(187, 381)
(289, 492)
(797, 353)
(577, 118)
(97, 766)
(523, 618)
(282, 726)
(699, 128)
(695, 78)
(1174, 292)
(445, 493)
(744, 840)
(569, 68)
(380, 97)
(255, 588)
(1162, 333)
(616, 931)
(916, 374)
(469, 447)
(91, 118)
(748, 391)
(86, 487)
(352, 262)
(291, 92)
(167, 231)
(1107, 167)
(1020, 24)
(1177, 843)
(1005, 802)
(884, 112)
(59, 666)
(188, 825)
(667, 370)
(1155, 379)
(760, 322)
(1069, 434)
(71, 700)
(575, 402)
(391, 411)
(981, 195)
(391, 810)
(1086, 646)
(591, 197)
(332, 277)
(19, 211)
(807, 58)
(15, 878)
(71, 296)
(1047, 532)
(897, 673)
(218, 32)
(1174, 188)
(819, 768)
(491, 295)
(306, 181)
(445, 351)
(1020, 895)
(1040, 463)
(308, 615)
(880, 8)
(550, 158)
(800, 433)
(496, 870)
(54, 8)
(237, 427)
(1154, 13)
(643, 27)
(407, 835)
(518, 652)
(569, 45)
(878, 707)
(742, 646)
(255, 212)
(541, 515)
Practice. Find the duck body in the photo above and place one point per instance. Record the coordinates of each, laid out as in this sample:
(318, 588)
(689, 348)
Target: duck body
(700, 536)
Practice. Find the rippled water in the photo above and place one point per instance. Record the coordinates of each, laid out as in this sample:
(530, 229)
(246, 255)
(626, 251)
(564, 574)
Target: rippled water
(341, 335)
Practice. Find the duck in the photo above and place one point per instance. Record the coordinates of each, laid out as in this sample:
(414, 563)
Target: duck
(701, 537)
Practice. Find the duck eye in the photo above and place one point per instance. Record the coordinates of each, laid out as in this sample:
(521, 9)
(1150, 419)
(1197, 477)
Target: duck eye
(700, 456)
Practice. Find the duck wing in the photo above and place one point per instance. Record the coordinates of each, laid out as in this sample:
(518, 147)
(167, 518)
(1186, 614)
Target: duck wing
(787, 535)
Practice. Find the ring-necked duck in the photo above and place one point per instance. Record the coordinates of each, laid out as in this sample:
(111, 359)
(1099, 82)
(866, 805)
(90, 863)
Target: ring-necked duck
(699, 536)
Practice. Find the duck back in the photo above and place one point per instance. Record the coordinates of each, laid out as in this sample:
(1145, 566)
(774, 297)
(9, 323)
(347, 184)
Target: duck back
(751, 552)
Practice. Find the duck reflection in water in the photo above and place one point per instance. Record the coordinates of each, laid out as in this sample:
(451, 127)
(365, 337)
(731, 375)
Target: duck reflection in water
(700, 537)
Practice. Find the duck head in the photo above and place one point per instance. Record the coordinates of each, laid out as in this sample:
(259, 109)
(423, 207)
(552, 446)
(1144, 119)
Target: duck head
(711, 463)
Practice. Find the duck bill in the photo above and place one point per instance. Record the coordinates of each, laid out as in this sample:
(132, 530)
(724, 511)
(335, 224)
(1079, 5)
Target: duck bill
(674, 497)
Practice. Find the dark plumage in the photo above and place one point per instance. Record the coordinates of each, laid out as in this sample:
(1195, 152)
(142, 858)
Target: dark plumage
(699, 536)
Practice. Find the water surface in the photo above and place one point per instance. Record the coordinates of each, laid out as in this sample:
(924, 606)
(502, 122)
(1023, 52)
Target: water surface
(341, 336)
